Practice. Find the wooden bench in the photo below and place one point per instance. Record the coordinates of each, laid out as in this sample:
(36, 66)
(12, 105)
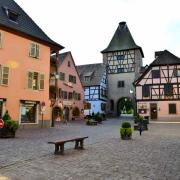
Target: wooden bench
(59, 145)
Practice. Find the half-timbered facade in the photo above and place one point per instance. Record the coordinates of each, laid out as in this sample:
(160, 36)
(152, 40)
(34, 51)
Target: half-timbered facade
(158, 88)
(70, 92)
(24, 67)
(94, 79)
(123, 59)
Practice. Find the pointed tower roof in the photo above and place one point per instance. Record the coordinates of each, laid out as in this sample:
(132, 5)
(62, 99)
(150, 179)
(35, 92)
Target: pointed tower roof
(122, 40)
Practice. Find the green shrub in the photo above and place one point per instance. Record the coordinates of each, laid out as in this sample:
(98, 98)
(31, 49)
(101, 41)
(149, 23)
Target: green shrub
(89, 122)
(126, 125)
(11, 125)
(98, 117)
(126, 132)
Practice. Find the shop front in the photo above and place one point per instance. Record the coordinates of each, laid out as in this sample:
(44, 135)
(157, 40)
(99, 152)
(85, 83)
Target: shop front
(29, 112)
(2, 104)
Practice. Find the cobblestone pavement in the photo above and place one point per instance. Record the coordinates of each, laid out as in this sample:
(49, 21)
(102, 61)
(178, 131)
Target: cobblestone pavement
(154, 156)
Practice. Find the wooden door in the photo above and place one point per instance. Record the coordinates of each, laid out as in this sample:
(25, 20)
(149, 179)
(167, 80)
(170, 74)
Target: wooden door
(153, 109)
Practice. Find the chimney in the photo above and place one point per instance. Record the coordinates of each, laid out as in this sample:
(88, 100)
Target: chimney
(122, 25)
(158, 53)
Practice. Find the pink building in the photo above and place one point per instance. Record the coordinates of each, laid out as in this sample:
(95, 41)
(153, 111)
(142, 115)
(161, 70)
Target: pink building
(24, 67)
(69, 95)
(158, 88)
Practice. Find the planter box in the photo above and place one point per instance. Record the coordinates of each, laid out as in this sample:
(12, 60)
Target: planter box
(7, 133)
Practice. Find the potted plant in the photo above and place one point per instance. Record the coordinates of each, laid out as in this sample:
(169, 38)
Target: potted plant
(126, 131)
(10, 127)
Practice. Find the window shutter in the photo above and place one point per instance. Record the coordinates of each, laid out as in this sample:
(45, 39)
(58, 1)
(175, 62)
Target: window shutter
(145, 91)
(30, 79)
(37, 51)
(5, 75)
(32, 50)
(41, 81)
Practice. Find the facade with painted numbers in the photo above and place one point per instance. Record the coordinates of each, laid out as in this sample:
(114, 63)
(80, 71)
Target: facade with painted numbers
(24, 66)
(123, 59)
(94, 79)
(158, 88)
(68, 93)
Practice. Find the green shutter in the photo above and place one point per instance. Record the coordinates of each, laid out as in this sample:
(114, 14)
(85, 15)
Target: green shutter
(41, 81)
(30, 79)
(5, 75)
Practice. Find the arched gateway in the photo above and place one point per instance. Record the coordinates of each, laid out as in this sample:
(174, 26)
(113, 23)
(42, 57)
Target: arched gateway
(125, 105)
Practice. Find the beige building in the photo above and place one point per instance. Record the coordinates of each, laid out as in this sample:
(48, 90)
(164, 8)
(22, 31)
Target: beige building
(123, 59)
(158, 89)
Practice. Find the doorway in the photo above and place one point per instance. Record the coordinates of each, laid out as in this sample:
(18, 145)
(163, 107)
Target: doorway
(153, 109)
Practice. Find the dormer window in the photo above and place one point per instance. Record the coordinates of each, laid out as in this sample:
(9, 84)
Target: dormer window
(87, 76)
(12, 15)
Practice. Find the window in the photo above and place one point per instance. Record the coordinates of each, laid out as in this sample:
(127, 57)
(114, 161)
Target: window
(4, 75)
(70, 95)
(34, 50)
(155, 74)
(145, 91)
(120, 70)
(35, 81)
(62, 76)
(103, 107)
(120, 84)
(72, 79)
(69, 64)
(87, 78)
(168, 89)
(79, 96)
(1, 39)
(29, 112)
(176, 72)
(64, 94)
(172, 108)
(120, 57)
(13, 16)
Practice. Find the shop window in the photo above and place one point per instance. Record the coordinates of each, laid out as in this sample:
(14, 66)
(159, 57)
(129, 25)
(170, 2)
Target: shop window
(29, 112)
(34, 50)
(172, 108)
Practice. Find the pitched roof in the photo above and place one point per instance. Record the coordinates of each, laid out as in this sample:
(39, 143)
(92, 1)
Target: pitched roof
(95, 70)
(122, 40)
(165, 57)
(162, 58)
(24, 23)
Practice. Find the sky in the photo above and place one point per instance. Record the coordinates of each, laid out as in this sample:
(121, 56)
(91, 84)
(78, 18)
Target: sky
(85, 27)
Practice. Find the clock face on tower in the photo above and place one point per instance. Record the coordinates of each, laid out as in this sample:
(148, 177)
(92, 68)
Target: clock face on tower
(121, 62)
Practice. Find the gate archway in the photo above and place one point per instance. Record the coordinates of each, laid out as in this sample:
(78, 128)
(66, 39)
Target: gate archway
(125, 105)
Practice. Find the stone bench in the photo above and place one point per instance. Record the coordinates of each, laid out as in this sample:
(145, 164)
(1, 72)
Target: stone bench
(59, 145)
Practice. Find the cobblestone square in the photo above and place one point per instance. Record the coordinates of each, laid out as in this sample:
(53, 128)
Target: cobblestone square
(154, 155)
